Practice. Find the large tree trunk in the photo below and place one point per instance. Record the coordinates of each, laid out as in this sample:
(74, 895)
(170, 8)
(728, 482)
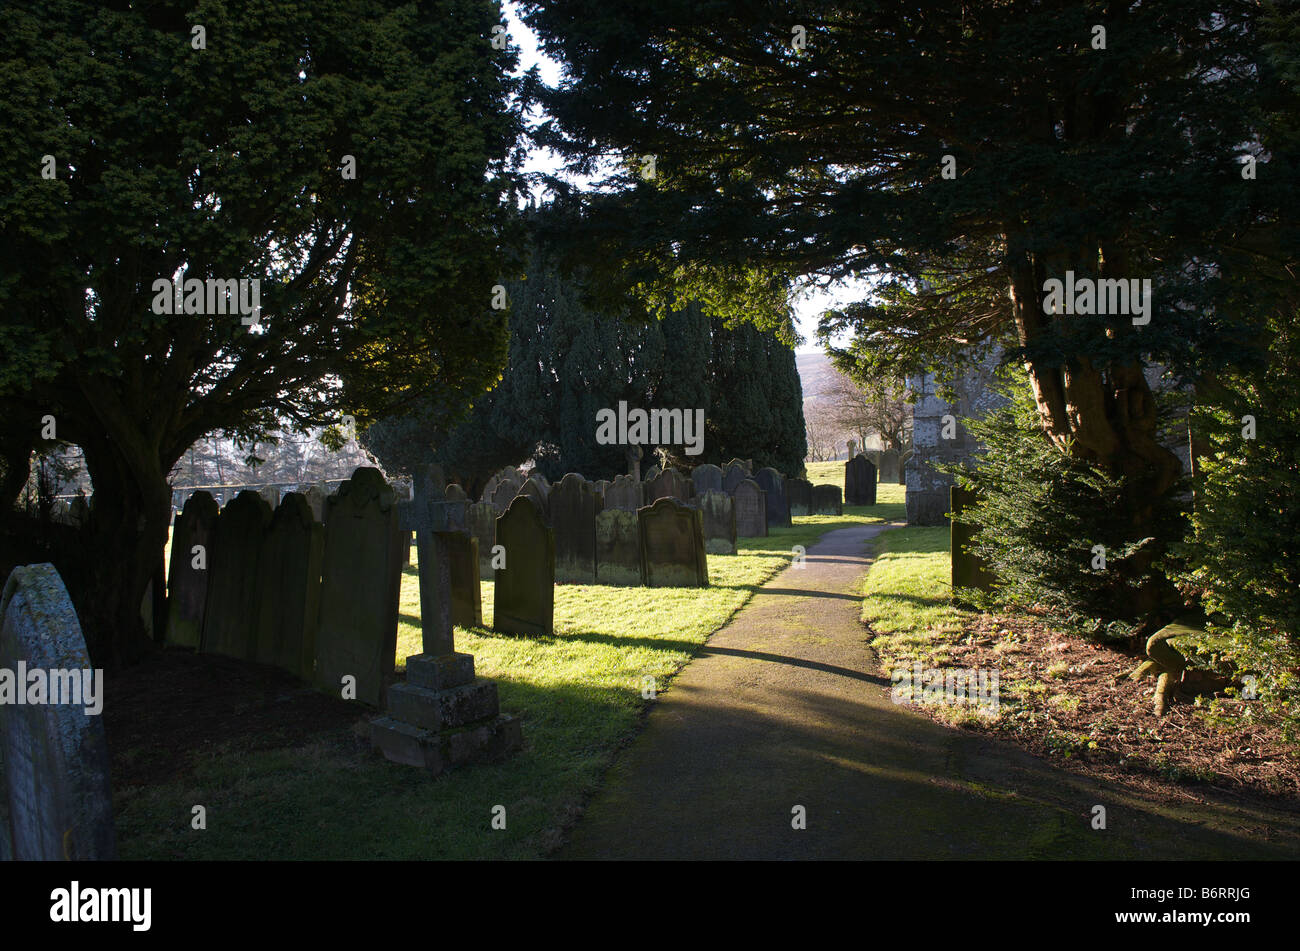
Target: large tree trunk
(125, 541)
(1103, 416)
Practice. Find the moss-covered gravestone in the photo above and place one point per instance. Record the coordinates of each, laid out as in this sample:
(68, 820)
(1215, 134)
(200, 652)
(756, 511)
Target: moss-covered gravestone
(826, 500)
(573, 517)
(234, 583)
(751, 509)
(672, 546)
(360, 584)
(187, 577)
(968, 571)
(718, 515)
(618, 548)
(626, 493)
(800, 493)
(524, 599)
(707, 478)
(55, 801)
(289, 605)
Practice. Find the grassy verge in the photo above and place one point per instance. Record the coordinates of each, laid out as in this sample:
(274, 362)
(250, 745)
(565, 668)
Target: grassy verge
(578, 694)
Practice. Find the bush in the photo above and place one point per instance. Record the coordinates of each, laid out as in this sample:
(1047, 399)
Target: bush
(1243, 554)
(1040, 517)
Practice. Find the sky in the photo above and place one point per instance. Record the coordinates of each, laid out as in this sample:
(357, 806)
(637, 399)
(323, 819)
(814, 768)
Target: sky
(809, 303)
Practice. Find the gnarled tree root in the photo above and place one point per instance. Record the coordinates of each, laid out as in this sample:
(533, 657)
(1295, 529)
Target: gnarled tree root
(1166, 662)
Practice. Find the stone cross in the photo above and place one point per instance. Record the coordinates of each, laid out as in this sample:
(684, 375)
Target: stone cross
(430, 515)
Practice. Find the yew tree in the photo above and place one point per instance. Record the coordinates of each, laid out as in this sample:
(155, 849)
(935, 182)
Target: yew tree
(963, 154)
(353, 156)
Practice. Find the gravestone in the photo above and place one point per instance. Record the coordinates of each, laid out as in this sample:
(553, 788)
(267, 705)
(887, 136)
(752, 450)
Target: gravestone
(707, 478)
(482, 518)
(968, 570)
(800, 492)
(718, 513)
(599, 488)
(466, 589)
(289, 598)
(534, 490)
(826, 500)
(625, 493)
(751, 510)
(524, 601)
(672, 545)
(734, 474)
(573, 517)
(889, 466)
(455, 493)
(669, 484)
(442, 715)
(650, 474)
(745, 464)
(509, 475)
(235, 577)
(271, 493)
(187, 586)
(504, 494)
(55, 799)
(360, 586)
(778, 507)
(618, 548)
(859, 481)
(316, 496)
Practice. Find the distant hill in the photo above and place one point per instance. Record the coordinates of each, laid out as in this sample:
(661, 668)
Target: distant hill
(815, 373)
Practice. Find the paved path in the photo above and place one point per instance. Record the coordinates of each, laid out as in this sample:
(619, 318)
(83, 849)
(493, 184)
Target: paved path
(783, 707)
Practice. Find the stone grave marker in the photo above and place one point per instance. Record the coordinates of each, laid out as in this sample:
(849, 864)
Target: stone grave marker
(55, 799)
(826, 500)
(707, 478)
(800, 492)
(271, 493)
(442, 715)
(618, 547)
(751, 509)
(534, 490)
(483, 526)
(187, 586)
(316, 496)
(718, 513)
(734, 474)
(455, 493)
(859, 481)
(778, 506)
(968, 570)
(573, 517)
(466, 587)
(289, 598)
(669, 484)
(234, 577)
(672, 545)
(625, 493)
(524, 600)
(889, 467)
(360, 587)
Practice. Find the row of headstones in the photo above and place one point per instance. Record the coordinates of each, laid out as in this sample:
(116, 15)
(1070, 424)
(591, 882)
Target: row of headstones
(279, 587)
(889, 464)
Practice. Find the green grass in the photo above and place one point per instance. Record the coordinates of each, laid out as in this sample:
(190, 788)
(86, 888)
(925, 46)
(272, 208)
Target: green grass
(905, 596)
(578, 694)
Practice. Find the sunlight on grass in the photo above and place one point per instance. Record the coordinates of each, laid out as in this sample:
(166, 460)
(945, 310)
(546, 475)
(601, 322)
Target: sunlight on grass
(905, 595)
(578, 694)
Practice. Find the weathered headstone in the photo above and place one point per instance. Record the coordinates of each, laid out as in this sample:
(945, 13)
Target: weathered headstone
(718, 513)
(271, 493)
(672, 546)
(360, 585)
(707, 478)
(778, 507)
(751, 509)
(669, 484)
(187, 586)
(55, 800)
(483, 526)
(859, 481)
(746, 464)
(455, 493)
(968, 570)
(800, 492)
(524, 600)
(466, 589)
(734, 474)
(826, 500)
(316, 496)
(504, 494)
(624, 493)
(618, 548)
(235, 577)
(540, 494)
(289, 596)
(573, 516)
(599, 487)
(889, 466)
